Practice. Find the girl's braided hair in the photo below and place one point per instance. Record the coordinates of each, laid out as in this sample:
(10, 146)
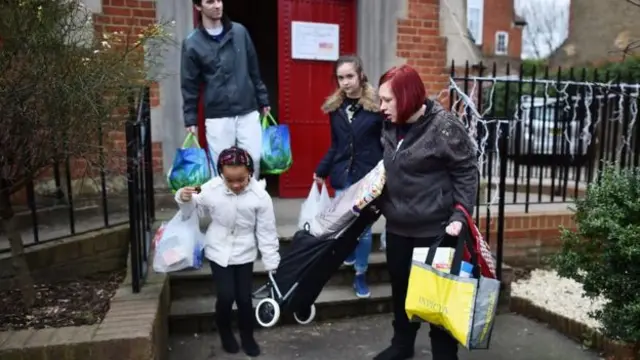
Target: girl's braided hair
(235, 156)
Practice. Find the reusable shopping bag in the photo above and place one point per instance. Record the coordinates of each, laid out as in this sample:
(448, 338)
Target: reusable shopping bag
(486, 260)
(344, 209)
(464, 306)
(275, 157)
(190, 167)
(178, 244)
(316, 202)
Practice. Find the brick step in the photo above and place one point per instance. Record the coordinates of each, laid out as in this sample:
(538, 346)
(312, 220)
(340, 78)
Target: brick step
(197, 314)
(194, 283)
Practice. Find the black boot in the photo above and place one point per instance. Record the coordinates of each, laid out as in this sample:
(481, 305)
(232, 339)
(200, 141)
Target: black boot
(443, 345)
(248, 342)
(395, 352)
(402, 345)
(229, 342)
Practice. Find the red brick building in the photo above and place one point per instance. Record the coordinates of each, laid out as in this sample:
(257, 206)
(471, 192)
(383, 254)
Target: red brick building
(496, 29)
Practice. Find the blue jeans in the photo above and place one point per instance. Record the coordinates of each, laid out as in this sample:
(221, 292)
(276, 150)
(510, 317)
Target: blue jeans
(363, 249)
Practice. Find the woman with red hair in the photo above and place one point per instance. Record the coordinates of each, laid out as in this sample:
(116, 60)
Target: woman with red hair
(431, 165)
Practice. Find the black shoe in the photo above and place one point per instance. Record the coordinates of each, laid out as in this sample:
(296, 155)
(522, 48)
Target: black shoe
(395, 352)
(229, 342)
(249, 345)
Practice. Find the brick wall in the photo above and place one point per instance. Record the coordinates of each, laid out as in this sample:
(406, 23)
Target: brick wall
(499, 16)
(529, 238)
(130, 16)
(95, 252)
(420, 43)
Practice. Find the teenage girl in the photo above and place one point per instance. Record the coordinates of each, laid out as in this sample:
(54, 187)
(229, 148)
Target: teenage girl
(241, 222)
(356, 148)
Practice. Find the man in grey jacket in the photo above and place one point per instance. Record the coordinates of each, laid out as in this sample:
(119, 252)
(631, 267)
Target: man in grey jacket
(219, 58)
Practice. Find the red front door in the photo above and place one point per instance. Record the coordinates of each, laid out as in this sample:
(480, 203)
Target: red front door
(304, 84)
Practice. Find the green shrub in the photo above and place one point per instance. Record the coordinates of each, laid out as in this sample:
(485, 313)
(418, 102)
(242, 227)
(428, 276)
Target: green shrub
(604, 253)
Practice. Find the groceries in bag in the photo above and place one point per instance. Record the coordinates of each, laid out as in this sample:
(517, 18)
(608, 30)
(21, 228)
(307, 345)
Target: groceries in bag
(464, 306)
(178, 244)
(442, 261)
(345, 208)
(316, 202)
(275, 157)
(191, 166)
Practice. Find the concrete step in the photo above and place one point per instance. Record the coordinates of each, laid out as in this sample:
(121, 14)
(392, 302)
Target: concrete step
(195, 283)
(197, 314)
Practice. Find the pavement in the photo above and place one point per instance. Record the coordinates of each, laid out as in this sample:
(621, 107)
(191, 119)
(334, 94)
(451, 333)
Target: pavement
(514, 338)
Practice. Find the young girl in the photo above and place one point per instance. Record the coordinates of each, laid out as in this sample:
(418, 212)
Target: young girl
(356, 147)
(240, 215)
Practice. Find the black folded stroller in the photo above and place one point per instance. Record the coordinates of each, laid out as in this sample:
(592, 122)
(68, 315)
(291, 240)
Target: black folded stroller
(304, 270)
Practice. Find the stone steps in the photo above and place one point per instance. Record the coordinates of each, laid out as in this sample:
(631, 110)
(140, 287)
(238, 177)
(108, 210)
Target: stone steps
(197, 314)
(193, 296)
(195, 283)
(193, 292)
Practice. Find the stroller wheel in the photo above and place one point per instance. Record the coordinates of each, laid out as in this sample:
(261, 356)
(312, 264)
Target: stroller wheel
(267, 312)
(306, 317)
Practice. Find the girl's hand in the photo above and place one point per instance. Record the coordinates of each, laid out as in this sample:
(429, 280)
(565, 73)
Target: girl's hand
(186, 193)
(317, 179)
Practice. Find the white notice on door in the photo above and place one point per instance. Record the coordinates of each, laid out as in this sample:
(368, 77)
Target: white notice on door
(315, 41)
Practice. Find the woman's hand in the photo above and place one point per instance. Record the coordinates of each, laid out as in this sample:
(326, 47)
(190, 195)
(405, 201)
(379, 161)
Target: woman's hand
(317, 179)
(454, 228)
(186, 193)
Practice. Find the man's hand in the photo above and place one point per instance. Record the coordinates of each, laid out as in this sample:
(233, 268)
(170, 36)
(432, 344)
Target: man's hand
(186, 193)
(193, 130)
(265, 110)
(454, 228)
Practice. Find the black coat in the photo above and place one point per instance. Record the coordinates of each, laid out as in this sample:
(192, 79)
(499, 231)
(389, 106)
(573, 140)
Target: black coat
(356, 146)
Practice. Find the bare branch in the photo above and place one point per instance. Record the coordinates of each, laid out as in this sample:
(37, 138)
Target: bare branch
(546, 29)
(63, 87)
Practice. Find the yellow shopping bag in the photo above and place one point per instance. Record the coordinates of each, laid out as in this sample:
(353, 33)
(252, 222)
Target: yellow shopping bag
(441, 299)
(464, 306)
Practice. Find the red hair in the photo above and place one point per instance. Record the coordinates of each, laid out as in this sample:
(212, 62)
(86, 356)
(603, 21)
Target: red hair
(408, 89)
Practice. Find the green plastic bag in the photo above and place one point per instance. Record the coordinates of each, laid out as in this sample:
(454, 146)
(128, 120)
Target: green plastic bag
(190, 165)
(275, 157)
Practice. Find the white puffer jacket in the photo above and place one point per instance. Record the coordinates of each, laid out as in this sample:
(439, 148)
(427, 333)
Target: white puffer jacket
(239, 225)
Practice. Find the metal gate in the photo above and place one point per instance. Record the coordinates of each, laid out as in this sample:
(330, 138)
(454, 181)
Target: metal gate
(140, 185)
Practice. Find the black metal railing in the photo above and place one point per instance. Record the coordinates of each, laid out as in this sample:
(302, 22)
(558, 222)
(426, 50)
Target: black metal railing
(543, 135)
(563, 126)
(71, 199)
(140, 186)
(53, 211)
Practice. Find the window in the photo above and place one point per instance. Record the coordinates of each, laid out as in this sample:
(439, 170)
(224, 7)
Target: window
(502, 43)
(475, 10)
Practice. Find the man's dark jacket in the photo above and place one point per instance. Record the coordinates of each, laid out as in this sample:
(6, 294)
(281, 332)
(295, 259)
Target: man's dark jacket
(227, 70)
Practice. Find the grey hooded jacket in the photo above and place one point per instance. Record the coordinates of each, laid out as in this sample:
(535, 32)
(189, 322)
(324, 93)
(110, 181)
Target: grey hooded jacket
(227, 71)
(432, 169)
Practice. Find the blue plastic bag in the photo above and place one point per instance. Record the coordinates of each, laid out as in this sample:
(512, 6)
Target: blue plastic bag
(190, 166)
(275, 157)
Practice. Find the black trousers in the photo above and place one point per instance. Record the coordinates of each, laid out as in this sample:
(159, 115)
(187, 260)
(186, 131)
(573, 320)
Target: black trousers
(234, 283)
(399, 254)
